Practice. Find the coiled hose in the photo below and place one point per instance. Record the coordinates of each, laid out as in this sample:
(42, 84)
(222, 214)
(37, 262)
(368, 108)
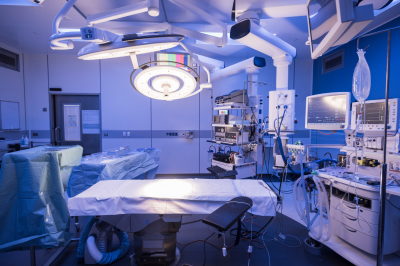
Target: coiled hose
(106, 258)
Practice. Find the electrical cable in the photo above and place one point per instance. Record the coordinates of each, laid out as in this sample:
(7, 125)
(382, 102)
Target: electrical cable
(392, 204)
(192, 222)
(205, 248)
(332, 132)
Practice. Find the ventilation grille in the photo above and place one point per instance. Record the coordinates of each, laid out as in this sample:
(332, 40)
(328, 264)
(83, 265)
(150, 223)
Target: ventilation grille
(332, 62)
(9, 59)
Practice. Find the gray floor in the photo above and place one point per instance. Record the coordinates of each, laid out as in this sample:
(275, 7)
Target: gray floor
(193, 254)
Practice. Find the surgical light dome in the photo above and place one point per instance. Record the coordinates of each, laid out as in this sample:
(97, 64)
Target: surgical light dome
(131, 43)
(164, 82)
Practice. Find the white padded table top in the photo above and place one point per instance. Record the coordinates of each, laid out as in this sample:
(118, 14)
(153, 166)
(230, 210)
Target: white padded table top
(170, 196)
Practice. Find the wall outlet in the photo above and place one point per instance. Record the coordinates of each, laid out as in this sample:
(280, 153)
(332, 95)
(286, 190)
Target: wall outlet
(124, 134)
(35, 134)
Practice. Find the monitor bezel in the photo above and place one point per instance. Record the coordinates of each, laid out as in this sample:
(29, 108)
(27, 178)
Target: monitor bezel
(344, 19)
(329, 127)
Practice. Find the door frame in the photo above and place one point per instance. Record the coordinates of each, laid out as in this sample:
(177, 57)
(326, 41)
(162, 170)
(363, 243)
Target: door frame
(52, 110)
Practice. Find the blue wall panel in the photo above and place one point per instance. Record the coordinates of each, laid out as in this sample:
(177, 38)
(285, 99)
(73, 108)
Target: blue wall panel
(341, 79)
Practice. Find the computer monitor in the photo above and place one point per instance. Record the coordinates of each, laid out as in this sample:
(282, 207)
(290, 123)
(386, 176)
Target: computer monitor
(375, 115)
(334, 22)
(328, 111)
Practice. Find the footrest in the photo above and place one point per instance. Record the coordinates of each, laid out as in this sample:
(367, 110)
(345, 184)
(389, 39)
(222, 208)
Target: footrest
(225, 216)
(221, 173)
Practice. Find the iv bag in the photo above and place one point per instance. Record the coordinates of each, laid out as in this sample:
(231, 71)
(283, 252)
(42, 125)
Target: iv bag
(361, 78)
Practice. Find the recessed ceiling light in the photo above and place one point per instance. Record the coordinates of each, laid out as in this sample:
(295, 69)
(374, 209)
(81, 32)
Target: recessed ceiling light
(275, 34)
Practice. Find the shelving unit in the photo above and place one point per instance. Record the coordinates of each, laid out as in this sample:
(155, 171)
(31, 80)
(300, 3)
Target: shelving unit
(228, 107)
(245, 170)
(222, 142)
(229, 125)
(249, 168)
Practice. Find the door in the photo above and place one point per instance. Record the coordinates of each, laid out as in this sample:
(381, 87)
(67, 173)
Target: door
(77, 122)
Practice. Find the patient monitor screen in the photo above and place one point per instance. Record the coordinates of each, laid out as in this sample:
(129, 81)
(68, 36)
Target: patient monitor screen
(374, 113)
(322, 16)
(327, 110)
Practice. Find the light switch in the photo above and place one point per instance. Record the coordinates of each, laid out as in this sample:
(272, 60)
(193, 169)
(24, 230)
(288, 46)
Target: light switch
(128, 134)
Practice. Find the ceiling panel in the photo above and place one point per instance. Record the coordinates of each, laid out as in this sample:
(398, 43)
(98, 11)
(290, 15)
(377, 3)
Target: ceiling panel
(28, 28)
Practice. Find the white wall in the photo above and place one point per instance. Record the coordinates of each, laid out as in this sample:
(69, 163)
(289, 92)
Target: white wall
(12, 89)
(124, 109)
(12, 86)
(37, 92)
(74, 75)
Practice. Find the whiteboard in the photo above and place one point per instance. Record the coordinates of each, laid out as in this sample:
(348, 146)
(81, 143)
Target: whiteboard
(9, 115)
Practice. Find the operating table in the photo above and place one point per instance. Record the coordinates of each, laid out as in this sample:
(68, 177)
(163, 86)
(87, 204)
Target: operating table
(153, 209)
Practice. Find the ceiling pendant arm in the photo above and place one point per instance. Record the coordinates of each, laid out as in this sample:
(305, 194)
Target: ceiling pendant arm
(150, 6)
(220, 42)
(62, 41)
(61, 15)
(198, 61)
(202, 85)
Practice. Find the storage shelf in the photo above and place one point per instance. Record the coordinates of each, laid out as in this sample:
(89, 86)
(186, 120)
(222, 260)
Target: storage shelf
(224, 143)
(228, 107)
(223, 125)
(229, 125)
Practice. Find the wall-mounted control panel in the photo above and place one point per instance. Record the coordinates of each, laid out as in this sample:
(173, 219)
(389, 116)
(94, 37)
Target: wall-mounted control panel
(188, 134)
(281, 105)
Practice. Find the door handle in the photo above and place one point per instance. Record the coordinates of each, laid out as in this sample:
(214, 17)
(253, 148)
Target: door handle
(349, 228)
(56, 134)
(350, 207)
(348, 217)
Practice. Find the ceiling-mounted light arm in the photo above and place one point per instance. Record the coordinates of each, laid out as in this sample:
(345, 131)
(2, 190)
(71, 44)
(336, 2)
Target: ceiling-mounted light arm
(149, 6)
(159, 27)
(220, 42)
(207, 85)
(198, 36)
(62, 40)
(134, 60)
(61, 15)
(198, 61)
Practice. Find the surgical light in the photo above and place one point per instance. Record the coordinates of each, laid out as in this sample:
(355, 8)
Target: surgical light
(167, 82)
(126, 44)
(162, 83)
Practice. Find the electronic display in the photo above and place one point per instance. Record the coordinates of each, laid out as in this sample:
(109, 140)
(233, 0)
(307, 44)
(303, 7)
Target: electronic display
(374, 113)
(322, 17)
(175, 57)
(327, 110)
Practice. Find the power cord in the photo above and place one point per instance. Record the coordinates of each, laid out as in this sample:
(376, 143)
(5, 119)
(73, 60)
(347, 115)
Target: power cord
(205, 248)
(192, 222)
(392, 204)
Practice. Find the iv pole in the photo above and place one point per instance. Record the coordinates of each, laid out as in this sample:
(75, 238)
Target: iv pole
(382, 192)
